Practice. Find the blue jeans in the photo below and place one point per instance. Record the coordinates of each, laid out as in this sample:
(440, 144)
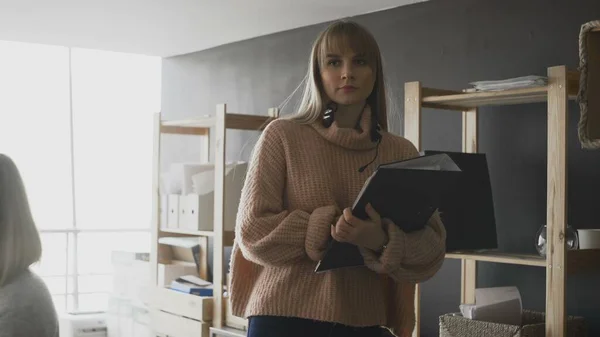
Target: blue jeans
(273, 326)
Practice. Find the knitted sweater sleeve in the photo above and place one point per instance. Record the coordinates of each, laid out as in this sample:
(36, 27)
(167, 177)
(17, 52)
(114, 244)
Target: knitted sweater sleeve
(267, 233)
(410, 257)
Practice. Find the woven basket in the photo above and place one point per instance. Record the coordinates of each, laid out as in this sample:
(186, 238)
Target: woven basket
(589, 85)
(454, 325)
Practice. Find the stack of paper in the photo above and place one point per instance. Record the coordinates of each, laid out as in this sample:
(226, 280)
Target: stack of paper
(511, 83)
(194, 285)
(498, 305)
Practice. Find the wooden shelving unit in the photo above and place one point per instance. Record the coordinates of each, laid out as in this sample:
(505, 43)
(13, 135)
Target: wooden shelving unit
(202, 127)
(563, 85)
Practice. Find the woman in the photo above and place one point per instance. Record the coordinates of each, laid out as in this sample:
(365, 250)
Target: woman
(304, 175)
(26, 308)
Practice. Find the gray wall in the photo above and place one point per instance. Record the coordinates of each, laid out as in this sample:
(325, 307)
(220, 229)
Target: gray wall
(444, 44)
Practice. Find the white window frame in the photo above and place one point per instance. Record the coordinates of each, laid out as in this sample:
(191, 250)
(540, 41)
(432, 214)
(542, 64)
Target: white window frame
(74, 275)
(72, 270)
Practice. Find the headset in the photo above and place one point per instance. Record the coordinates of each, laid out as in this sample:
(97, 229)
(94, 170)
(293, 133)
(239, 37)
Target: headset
(329, 116)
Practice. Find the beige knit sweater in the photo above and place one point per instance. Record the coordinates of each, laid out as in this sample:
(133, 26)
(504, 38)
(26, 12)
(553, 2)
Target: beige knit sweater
(300, 178)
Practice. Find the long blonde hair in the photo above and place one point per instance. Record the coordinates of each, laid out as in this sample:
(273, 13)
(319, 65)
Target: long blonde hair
(20, 244)
(337, 37)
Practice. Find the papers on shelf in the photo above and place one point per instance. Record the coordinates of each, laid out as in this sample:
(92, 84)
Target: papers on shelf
(511, 83)
(499, 305)
(191, 284)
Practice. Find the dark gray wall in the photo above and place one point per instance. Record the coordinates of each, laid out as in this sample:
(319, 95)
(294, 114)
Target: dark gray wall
(444, 44)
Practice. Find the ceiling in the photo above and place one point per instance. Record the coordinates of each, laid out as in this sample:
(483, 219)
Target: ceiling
(167, 27)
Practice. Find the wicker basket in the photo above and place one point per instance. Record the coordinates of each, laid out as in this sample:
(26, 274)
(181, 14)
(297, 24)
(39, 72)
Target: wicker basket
(454, 325)
(589, 84)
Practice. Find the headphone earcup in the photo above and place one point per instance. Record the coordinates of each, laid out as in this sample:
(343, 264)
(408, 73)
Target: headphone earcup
(375, 128)
(328, 116)
(375, 133)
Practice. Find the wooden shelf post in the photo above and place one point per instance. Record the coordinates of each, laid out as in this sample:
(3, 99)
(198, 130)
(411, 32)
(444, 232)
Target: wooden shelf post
(556, 202)
(412, 132)
(470, 140)
(154, 258)
(219, 215)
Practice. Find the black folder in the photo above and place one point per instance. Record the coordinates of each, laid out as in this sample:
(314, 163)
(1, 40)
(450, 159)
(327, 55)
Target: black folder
(407, 192)
(468, 213)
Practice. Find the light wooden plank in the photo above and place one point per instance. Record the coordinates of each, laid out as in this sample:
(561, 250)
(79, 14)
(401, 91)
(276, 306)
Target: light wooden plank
(474, 99)
(468, 281)
(470, 134)
(219, 214)
(444, 107)
(200, 122)
(155, 200)
(556, 202)
(247, 122)
(498, 257)
(417, 330)
(185, 232)
(426, 92)
(412, 113)
(470, 141)
(180, 130)
(412, 132)
(203, 124)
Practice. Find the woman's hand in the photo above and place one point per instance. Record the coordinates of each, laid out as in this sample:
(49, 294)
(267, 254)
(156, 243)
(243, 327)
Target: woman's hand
(364, 233)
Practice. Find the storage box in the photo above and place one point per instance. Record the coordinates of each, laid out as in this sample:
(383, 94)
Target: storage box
(173, 209)
(167, 273)
(131, 272)
(454, 325)
(196, 212)
(181, 304)
(193, 209)
(177, 326)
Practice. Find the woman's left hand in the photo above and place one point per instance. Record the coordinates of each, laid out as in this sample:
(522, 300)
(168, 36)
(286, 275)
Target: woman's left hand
(364, 233)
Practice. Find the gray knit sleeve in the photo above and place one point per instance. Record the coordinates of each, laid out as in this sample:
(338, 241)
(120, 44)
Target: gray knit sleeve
(26, 308)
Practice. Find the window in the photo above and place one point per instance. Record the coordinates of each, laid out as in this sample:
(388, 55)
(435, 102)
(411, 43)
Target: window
(79, 124)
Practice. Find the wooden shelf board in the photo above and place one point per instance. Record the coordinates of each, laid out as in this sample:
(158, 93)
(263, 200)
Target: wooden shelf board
(446, 99)
(201, 126)
(187, 232)
(228, 236)
(246, 122)
(226, 332)
(577, 260)
(202, 122)
(499, 257)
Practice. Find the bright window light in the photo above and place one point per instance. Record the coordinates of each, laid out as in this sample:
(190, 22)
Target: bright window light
(79, 124)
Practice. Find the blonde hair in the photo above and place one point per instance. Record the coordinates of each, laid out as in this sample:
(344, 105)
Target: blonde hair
(337, 37)
(20, 244)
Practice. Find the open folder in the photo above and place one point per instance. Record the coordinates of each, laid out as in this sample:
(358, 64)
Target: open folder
(407, 192)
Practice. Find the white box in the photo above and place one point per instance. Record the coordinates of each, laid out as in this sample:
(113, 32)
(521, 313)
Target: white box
(164, 211)
(196, 212)
(178, 303)
(169, 272)
(131, 271)
(141, 322)
(204, 196)
(173, 207)
(177, 326)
